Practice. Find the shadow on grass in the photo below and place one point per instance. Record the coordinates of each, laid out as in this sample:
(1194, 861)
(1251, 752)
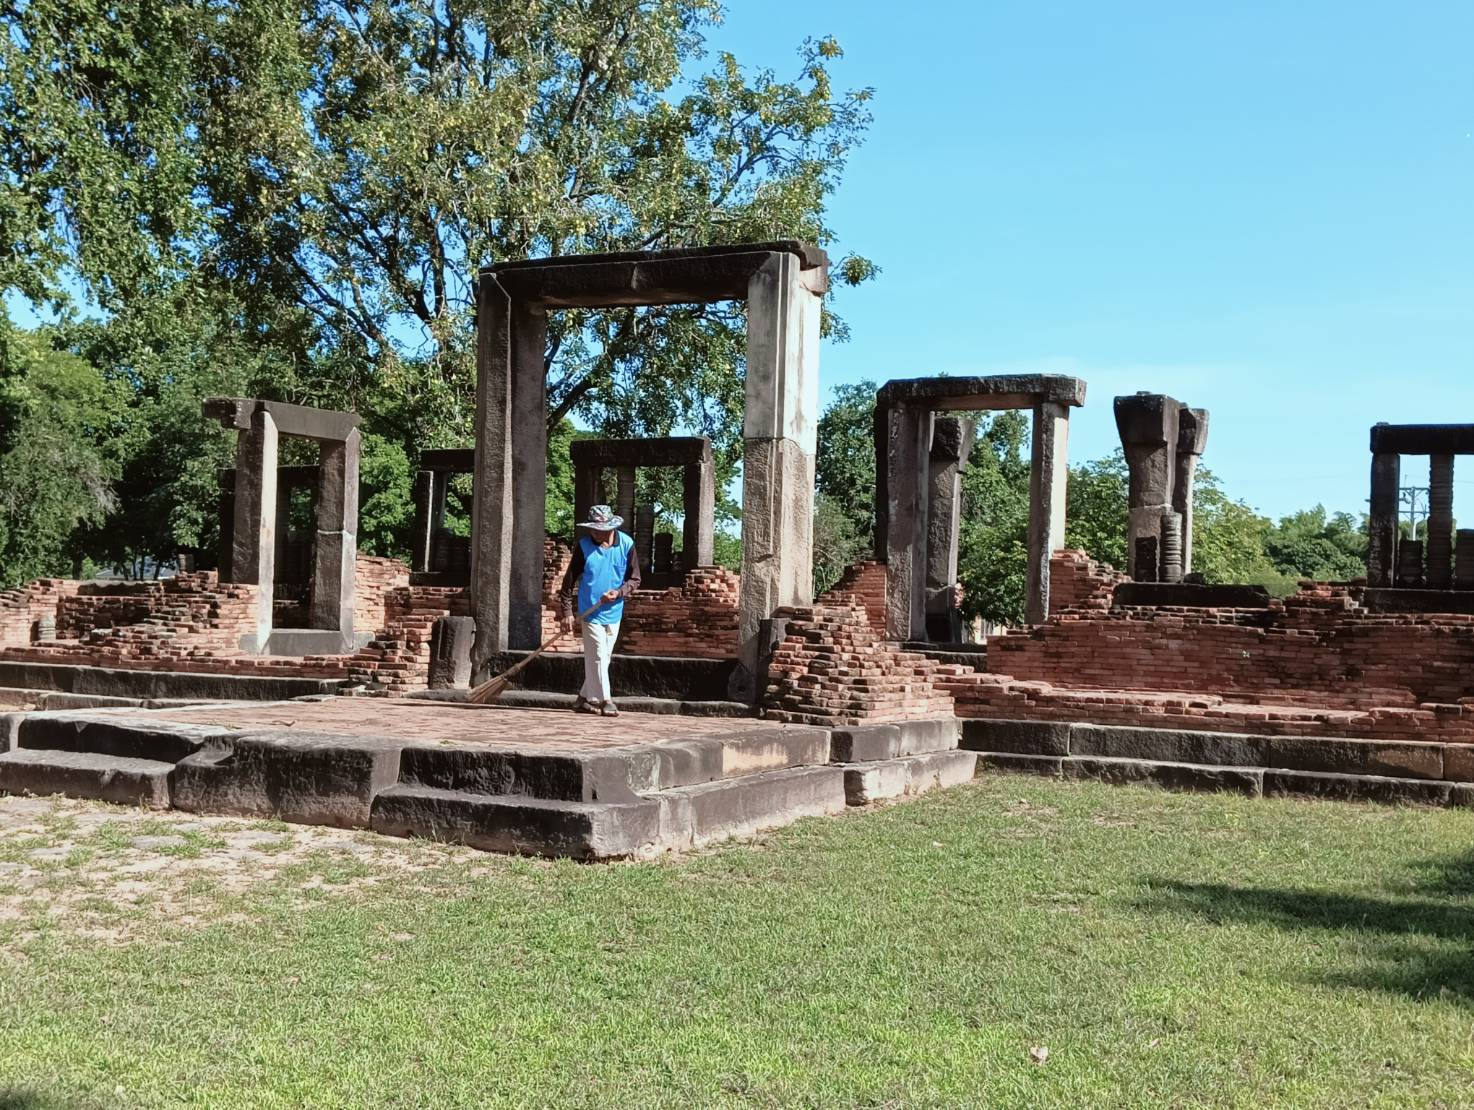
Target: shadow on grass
(1405, 962)
(25, 1098)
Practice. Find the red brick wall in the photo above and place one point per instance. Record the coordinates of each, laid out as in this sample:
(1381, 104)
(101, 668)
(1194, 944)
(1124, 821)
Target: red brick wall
(697, 619)
(1078, 581)
(833, 668)
(398, 659)
(863, 585)
(21, 608)
(374, 579)
(1319, 648)
(188, 617)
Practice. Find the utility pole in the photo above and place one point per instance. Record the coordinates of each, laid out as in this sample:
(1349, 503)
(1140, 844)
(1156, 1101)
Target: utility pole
(1412, 503)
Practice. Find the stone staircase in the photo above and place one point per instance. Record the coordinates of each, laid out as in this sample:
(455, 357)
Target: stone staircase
(589, 803)
(1394, 771)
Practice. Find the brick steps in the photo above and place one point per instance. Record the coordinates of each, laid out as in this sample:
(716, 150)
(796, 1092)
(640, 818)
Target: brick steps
(106, 778)
(1369, 770)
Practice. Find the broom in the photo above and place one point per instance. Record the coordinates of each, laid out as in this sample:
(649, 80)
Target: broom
(493, 688)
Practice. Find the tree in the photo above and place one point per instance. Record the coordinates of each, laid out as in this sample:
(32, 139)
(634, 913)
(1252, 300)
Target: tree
(343, 168)
(58, 422)
(993, 545)
(1314, 544)
(1097, 508)
(844, 463)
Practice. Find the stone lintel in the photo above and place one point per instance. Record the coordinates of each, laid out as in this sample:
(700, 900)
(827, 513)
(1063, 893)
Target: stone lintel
(661, 451)
(986, 392)
(693, 276)
(454, 460)
(326, 425)
(1423, 439)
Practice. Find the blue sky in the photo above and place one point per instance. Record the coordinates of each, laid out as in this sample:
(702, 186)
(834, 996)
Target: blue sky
(1266, 210)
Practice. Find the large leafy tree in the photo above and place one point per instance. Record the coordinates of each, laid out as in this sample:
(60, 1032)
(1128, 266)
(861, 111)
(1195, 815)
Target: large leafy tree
(59, 426)
(327, 177)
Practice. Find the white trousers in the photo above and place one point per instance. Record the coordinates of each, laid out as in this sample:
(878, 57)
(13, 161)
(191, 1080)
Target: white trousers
(598, 648)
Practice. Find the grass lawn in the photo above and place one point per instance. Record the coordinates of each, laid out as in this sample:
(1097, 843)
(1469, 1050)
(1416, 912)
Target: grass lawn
(1165, 949)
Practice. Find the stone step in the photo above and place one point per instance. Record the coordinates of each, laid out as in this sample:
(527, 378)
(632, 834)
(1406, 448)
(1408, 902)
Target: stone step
(612, 774)
(867, 743)
(105, 733)
(76, 678)
(908, 775)
(106, 778)
(535, 826)
(1432, 760)
(549, 699)
(1250, 781)
(693, 816)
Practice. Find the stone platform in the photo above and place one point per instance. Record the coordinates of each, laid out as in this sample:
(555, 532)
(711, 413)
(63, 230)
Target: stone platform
(1360, 769)
(537, 781)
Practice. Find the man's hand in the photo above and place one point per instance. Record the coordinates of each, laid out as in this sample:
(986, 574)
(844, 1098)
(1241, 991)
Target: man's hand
(565, 622)
(610, 595)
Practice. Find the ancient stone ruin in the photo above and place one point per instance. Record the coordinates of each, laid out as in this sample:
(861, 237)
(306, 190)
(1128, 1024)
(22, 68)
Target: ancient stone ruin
(440, 557)
(782, 285)
(1162, 439)
(764, 703)
(904, 437)
(253, 534)
(1442, 561)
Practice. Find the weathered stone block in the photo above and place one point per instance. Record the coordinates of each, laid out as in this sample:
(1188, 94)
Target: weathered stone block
(1168, 745)
(303, 778)
(1367, 788)
(1173, 776)
(451, 641)
(1398, 759)
(1032, 738)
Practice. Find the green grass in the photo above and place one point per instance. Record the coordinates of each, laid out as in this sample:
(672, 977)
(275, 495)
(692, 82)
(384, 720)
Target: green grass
(1167, 949)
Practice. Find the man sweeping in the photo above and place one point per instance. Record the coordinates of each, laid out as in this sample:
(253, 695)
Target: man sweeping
(605, 570)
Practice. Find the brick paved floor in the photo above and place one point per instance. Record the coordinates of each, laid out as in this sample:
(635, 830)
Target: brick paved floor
(502, 726)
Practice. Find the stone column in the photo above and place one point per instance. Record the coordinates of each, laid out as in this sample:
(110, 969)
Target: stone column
(588, 491)
(1192, 439)
(1440, 549)
(225, 553)
(626, 479)
(779, 430)
(511, 474)
(1149, 427)
(335, 551)
(951, 442)
(698, 504)
(907, 452)
(422, 542)
(1048, 478)
(253, 535)
(1382, 520)
(492, 500)
(529, 475)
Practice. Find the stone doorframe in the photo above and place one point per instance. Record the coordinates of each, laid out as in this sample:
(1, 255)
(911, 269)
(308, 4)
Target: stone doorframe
(1441, 570)
(431, 564)
(783, 284)
(903, 439)
(259, 424)
(691, 454)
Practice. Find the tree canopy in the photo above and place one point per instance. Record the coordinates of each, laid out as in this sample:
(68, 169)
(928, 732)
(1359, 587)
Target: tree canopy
(292, 197)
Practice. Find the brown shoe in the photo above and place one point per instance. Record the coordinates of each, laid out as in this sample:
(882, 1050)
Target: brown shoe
(583, 705)
(610, 709)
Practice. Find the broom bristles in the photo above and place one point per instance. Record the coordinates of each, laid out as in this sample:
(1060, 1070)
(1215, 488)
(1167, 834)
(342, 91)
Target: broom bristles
(493, 688)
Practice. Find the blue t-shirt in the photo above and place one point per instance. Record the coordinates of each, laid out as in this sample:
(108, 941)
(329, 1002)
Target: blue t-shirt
(604, 569)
